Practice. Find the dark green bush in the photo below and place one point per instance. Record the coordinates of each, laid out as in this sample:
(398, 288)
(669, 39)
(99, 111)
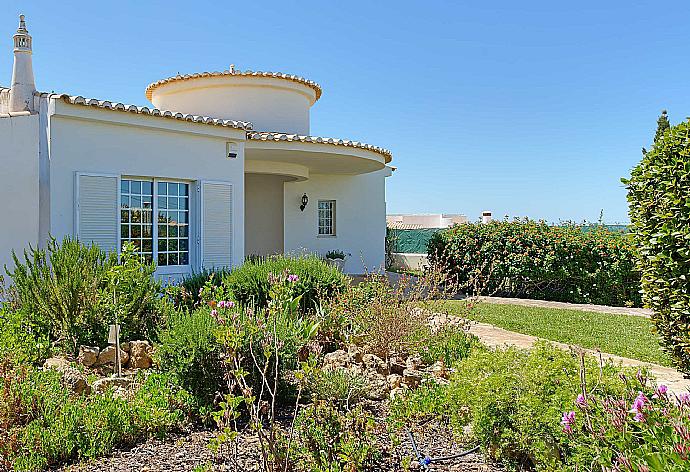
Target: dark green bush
(249, 284)
(513, 401)
(71, 292)
(529, 259)
(659, 199)
(188, 348)
(43, 424)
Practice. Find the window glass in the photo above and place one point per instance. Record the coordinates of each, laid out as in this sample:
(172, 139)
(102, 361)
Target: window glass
(173, 223)
(172, 210)
(136, 224)
(326, 209)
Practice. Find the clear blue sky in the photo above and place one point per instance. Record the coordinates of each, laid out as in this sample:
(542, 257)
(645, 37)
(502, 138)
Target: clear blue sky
(531, 108)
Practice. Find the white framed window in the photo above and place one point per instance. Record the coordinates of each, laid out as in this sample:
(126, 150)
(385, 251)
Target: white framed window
(326, 224)
(164, 239)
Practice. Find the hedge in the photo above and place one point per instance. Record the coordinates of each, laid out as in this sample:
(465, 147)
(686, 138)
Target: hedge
(529, 259)
(659, 198)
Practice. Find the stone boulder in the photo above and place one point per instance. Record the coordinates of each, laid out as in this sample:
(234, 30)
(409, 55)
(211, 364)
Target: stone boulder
(394, 381)
(71, 376)
(120, 385)
(140, 355)
(375, 363)
(337, 358)
(412, 378)
(107, 356)
(88, 355)
(376, 387)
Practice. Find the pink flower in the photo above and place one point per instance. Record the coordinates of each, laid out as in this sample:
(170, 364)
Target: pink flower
(639, 403)
(214, 314)
(660, 391)
(567, 421)
(229, 304)
(581, 401)
(221, 304)
(293, 278)
(684, 398)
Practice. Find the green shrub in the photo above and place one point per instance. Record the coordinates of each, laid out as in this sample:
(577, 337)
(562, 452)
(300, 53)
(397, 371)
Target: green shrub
(513, 401)
(188, 348)
(318, 280)
(71, 291)
(658, 195)
(21, 340)
(43, 424)
(328, 440)
(449, 344)
(339, 387)
(191, 286)
(531, 259)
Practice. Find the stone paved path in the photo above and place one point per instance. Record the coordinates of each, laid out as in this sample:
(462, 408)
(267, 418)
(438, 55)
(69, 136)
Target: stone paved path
(499, 337)
(617, 310)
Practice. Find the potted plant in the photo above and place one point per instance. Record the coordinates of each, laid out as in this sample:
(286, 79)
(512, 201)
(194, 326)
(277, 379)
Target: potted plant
(336, 257)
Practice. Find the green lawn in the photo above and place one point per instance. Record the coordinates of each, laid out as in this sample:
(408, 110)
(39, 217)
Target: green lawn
(626, 336)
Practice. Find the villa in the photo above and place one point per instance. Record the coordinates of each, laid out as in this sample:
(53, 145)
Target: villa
(221, 166)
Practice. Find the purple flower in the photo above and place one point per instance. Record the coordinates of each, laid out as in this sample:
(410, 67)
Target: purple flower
(214, 314)
(581, 401)
(639, 403)
(567, 421)
(639, 417)
(229, 304)
(221, 304)
(660, 391)
(683, 399)
(293, 278)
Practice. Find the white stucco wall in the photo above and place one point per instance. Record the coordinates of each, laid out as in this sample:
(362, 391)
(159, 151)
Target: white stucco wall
(18, 186)
(270, 104)
(141, 146)
(263, 215)
(360, 218)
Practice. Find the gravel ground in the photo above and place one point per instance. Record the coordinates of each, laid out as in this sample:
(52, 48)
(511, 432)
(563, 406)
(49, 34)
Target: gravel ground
(188, 451)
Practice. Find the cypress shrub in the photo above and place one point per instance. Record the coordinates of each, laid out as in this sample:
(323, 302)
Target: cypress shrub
(659, 200)
(529, 259)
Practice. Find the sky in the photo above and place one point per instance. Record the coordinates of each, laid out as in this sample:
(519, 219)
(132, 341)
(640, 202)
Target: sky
(531, 108)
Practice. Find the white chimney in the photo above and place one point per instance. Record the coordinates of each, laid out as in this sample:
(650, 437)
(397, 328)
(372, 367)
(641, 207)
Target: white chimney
(486, 217)
(23, 87)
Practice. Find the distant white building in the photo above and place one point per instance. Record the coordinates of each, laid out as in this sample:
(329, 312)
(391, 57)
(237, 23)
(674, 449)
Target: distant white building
(231, 171)
(421, 221)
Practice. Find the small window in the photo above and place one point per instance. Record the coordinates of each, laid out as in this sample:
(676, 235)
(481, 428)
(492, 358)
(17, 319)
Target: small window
(326, 217)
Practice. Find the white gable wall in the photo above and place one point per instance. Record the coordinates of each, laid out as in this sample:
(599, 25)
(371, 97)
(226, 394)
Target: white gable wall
(186, 152)
(360, 218)
(19, 185)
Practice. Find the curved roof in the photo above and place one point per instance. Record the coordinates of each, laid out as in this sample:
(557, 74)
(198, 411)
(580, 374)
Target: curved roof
(232, 71)
(92, 102)
(268, 136)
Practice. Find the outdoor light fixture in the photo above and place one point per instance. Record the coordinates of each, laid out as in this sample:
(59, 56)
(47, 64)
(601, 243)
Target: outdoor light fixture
(305, 200)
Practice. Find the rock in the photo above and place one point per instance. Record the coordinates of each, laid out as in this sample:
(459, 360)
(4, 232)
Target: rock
(125, 346)
(412, 378)
(376, 387)
(396, 392)
(394, 381)
(355, 354)
(71, 376)
(88, 355)
(396, 365)
(119, 385)
(375, 363)
(414, 363)
(438, 369)
(107, 356)
(336, 359)
(140, 355)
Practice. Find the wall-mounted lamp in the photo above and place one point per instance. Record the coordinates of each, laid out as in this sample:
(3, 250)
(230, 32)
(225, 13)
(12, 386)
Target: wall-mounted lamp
(305, 200)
